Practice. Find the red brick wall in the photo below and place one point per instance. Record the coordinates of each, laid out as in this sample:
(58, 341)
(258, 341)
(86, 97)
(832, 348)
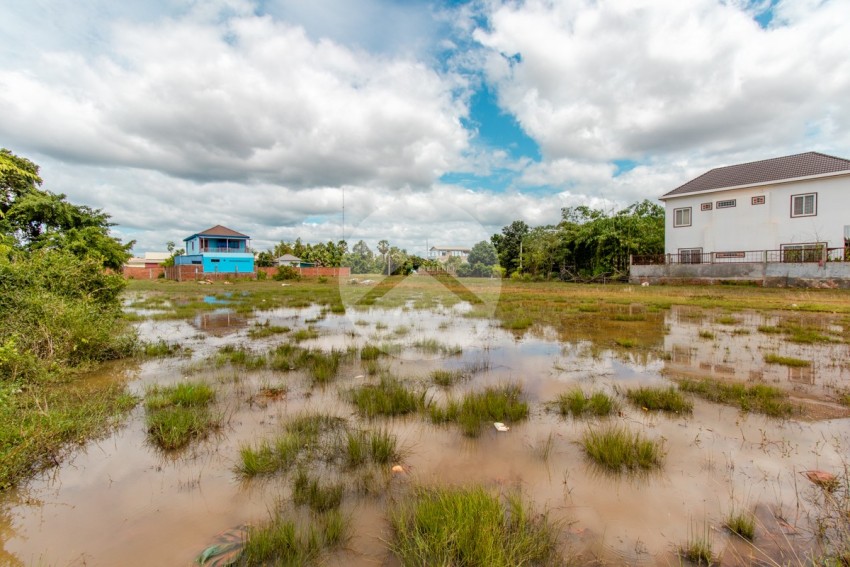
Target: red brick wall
(311, 272)
(143, 273)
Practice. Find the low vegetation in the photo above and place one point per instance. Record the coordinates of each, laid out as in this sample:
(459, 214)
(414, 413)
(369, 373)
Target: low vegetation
(742, 524)
(471, 527)
(667, 399)
(446, 378)
(772, 358)
(280, 541)
(578, 404)
(389, 397)
(476, 409)
(178, 414)
(760, 398)
(617, 449)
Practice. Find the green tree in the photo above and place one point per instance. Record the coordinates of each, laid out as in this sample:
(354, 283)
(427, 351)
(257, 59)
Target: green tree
(483, 253)
(508, 245)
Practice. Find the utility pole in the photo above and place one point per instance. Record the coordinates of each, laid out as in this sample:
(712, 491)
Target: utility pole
(520, 254)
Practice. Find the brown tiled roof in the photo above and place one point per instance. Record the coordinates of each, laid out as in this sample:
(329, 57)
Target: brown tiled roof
(219, 230)
(764, 171)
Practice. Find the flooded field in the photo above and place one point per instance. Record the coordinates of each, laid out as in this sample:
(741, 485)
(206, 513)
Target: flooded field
(273, 357)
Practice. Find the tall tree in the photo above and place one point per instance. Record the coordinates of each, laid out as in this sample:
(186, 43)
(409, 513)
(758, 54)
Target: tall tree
(508, 245)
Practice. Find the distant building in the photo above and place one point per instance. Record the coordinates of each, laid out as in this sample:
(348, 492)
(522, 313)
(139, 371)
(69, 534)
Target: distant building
(288, 260)
(444, 253)
(150, 260)
(218, 250)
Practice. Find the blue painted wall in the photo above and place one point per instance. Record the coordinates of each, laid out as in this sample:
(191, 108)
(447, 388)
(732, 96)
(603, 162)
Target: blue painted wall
(222, 263)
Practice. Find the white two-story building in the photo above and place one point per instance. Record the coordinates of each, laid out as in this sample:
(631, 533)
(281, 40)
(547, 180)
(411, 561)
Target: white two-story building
(783, 209)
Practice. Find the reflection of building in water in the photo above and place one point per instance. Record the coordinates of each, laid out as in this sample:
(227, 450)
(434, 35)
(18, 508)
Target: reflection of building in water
(803, 375)
(698, 346)
(219, 322)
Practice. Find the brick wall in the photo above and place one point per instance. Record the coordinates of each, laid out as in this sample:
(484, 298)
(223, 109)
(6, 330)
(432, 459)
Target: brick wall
(312, 272)
(143, 273)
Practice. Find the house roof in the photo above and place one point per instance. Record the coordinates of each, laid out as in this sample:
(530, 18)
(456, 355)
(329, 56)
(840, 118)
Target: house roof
(461, 248)
(288, 258)
(809, 164)
(218, 230)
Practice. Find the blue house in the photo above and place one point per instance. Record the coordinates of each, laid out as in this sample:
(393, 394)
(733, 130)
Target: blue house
(218, 250)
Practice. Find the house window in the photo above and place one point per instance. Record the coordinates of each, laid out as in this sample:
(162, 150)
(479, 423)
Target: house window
(690, 255)
(215, 260)
(727, 204)
(804, 205)
(705, 207)
(805, 252)
(682, 217)
(757, 200)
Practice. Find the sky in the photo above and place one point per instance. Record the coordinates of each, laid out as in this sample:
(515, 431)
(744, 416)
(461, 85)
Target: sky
(424, 122)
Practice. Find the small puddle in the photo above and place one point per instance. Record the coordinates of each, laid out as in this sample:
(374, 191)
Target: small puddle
(120, 501)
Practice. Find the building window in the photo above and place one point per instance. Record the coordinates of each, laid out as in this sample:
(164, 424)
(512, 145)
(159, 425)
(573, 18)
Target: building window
(727, 204)
(758, 200)
(682, 217)
(690, 255)
(804, 205)
(705, 207)
(805, 252)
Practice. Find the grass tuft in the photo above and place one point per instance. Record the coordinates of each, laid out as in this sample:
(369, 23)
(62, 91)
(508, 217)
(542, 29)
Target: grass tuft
(616, 449)
(578, 404)
(760, 398)
(771, 358)
(742, 524)
(446, 378)
(660, 399)
(178, 414)
(389, 397)
(472, 527)
(501, 403)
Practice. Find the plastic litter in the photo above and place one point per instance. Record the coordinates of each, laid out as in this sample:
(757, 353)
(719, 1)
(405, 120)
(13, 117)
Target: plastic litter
(501, 426)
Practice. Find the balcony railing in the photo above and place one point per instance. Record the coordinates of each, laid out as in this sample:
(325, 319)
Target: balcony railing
(223, 250)
(801, 255)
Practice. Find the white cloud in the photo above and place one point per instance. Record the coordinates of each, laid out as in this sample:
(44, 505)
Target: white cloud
(247, 99)
(633, 78)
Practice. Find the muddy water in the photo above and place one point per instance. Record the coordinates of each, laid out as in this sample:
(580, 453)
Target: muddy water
(119, 501)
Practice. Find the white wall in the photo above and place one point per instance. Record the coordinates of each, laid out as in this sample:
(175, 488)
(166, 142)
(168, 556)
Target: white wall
(761, 227)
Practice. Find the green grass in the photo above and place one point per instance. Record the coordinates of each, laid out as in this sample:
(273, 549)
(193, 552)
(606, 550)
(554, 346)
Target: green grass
(309, 491)
(379, 447)
(703, 334)
(760, 398)
(447, 378)
(311, 435)
(241, 357)
(727, 320)
(660, 399)
(518, 323)
(742, 524)
(698, 551)
(626, 343)
(321, 366)
(616, 449)
(163, 348)
(389, 397)
(471, 527)
(771, 358)
(578, 404)
(279, 541)
(266, 329)
(41, 423)
(178, 414)
(370, 352)
(305, 334)
(477, 409)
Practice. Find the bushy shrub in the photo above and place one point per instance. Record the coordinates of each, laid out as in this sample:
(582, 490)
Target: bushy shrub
(287, 273)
